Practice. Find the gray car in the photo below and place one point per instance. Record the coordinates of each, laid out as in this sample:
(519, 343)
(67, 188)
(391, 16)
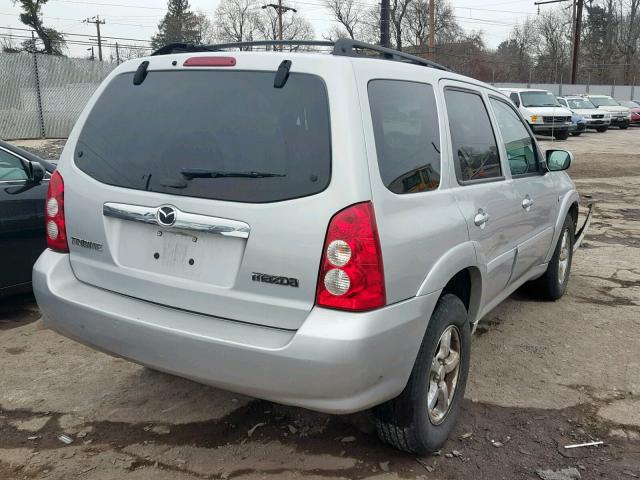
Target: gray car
(320, 230)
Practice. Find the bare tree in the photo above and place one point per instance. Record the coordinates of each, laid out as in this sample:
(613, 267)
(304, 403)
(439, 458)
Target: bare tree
(416, 23)
(628, 35)
(348, 14)
(553, 45)
(205, 28)
(236, 20)
(398, 12)
(294, 26)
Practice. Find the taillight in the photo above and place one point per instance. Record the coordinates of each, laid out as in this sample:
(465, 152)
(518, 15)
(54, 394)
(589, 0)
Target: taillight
(54, 213)
(351, 273)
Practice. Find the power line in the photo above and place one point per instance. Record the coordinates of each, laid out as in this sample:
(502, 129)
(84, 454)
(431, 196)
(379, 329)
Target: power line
(80, 35)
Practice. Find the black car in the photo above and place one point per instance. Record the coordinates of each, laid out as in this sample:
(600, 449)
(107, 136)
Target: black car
(24, 179)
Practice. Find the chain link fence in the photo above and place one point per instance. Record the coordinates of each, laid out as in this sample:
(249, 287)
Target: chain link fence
(619, 92)
(41, 96)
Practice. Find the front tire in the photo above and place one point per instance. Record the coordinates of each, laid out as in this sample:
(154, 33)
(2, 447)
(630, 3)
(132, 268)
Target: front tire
(561, 135)
(553, 284)
(576, 134)
(624, 126)
(421, 418)
(602, 129)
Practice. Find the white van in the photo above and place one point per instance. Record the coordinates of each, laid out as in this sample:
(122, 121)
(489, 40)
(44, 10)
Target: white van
(542, 111)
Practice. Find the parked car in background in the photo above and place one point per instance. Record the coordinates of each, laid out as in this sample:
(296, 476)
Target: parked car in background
(24, 179)
(541, 110)
(634, 108)
(192, 242)
(595, 118)
(578, 125)
(620, 115)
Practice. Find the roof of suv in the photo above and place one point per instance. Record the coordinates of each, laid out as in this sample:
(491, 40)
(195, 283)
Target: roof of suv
(341, 50)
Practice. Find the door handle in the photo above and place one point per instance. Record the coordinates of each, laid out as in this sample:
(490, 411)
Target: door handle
(481, 218)
(527, 203)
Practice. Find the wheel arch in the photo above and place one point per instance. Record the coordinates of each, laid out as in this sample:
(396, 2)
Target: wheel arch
(568, 206)
(457, 272)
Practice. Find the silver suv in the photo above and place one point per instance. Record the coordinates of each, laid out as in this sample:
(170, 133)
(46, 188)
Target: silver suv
(321, 230)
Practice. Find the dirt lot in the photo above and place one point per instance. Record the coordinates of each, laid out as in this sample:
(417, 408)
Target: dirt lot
(544, 375)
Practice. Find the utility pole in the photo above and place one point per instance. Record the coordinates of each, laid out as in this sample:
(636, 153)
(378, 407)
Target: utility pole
(432, 29)
(93, 57)
(96, 20)
(385, 12)
(576, 42)
(281, 10)
(577, 30)
(117, 54)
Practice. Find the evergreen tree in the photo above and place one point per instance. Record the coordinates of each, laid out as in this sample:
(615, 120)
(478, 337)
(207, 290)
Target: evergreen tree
(31, 16)
(179, 24)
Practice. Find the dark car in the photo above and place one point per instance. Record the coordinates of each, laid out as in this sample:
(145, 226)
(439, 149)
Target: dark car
(24, 179)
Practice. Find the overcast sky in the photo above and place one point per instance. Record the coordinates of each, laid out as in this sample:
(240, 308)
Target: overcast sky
(139, 19)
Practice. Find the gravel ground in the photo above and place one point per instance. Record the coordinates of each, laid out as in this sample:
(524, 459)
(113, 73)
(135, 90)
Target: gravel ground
(544, 375)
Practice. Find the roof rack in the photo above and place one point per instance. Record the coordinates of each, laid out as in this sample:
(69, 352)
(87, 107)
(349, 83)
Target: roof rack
(343, 47)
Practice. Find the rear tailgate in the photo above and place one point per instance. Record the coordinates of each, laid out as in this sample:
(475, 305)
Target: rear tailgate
(208, 190)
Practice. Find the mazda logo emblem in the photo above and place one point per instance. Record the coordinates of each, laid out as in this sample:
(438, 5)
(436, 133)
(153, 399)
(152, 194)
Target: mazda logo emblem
(166, 216)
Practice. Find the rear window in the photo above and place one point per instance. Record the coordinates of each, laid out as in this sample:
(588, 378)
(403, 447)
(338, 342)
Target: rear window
(210, 134)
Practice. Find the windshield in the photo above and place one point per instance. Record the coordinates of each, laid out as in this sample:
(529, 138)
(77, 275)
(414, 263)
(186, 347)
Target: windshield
(266, 144)
(578, 103)
(604, 102)
(539, 99)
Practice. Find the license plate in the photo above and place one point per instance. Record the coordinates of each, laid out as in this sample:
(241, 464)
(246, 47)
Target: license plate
(175, 252)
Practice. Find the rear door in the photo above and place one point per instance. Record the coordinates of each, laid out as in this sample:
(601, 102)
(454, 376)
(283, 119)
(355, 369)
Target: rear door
(210, 190)
(22, 237)
(535, 191)
(483, 194)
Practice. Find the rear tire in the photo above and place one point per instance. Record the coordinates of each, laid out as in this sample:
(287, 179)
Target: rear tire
(406, 422)
(561, 135)
(576, 134)
(624, 126)
(553, 284)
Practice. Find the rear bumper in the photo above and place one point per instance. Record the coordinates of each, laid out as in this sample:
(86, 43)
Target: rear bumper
(336, 362)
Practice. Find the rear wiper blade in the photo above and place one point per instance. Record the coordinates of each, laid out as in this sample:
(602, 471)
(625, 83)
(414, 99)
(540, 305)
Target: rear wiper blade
(190, 173)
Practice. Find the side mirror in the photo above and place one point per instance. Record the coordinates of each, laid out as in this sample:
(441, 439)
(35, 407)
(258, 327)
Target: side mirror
(37, 173)
(558, 160)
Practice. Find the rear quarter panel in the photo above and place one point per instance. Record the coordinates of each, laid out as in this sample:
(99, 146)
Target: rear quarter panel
(417, 229)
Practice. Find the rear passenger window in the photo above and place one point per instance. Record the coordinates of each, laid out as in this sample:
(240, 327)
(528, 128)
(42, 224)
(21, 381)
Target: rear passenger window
(521, 151)
(405, 124)
(475, 152)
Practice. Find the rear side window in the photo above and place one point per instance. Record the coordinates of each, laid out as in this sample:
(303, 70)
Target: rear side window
(210, 134)
(405, 124)
(475, 152)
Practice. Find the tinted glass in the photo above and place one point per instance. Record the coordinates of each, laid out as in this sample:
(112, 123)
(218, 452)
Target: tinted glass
(405, 124)
(521, 151)
(11, 168)
(142, 137)
(539, 99)
(474, 148)
(514, 97)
